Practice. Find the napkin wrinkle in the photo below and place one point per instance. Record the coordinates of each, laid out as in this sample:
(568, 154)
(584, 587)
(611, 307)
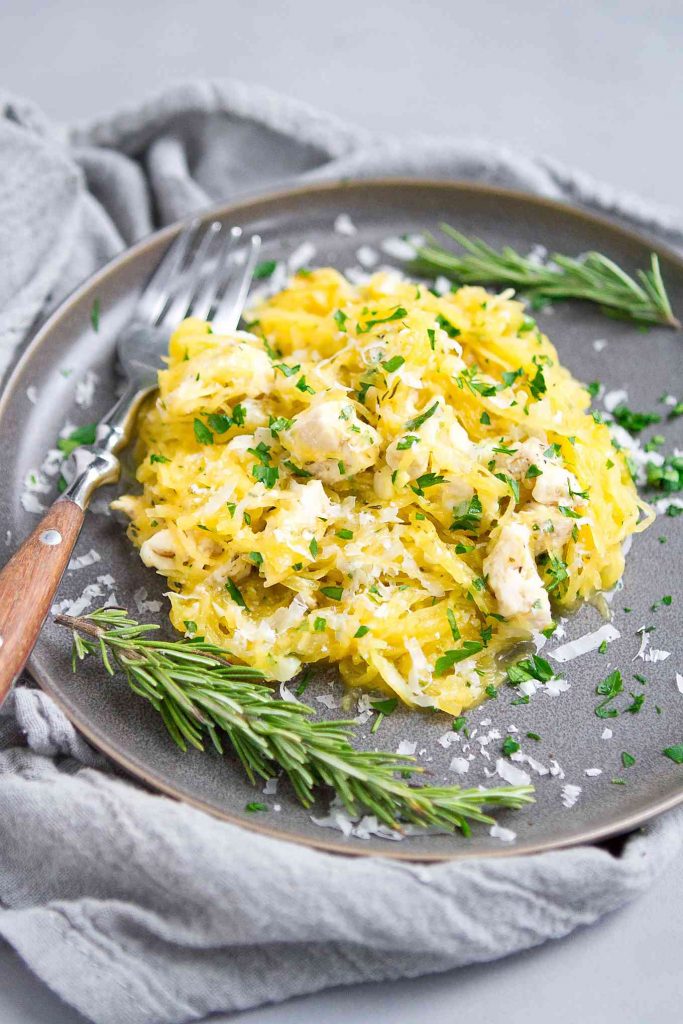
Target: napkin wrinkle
(137, 909)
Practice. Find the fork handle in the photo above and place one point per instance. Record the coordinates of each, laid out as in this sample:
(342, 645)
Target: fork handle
(28, 584)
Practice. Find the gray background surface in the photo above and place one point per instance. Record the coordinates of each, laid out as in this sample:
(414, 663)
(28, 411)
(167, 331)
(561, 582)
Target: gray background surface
(596, 86)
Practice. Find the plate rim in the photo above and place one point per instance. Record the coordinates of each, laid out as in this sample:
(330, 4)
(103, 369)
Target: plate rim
(620, 826)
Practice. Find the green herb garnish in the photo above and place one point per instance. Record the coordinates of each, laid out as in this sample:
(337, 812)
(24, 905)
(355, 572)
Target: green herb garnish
(202, 697)
(592, 278)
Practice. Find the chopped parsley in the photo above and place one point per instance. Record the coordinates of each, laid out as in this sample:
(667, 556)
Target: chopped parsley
(95, 315)
(285, 370)
(510, 746)
(202, 432)
(467, 515)
(303, 386)
(455, 632)
(608, 689)
(425, 481)
(407, 442)
(393, 364)
(512, 484)
(510, 376)
(556, 569)
(235, 594)
(296, 470)
(278, 423)
(320, 624)
(537, 384)
(340, 318)
(628, 760)
(264, 270)
(674, 753)
(533, 667)
(158, 458)
(418, 421)
(219, 422)
(334, 593)
(668, 477)
(633, 421)
(451, 658)
(477, 387)
(385, 705)
(360, 632)
(451, 330)
(397, 314)
(345, 534)
(636, 705)
(86, 434)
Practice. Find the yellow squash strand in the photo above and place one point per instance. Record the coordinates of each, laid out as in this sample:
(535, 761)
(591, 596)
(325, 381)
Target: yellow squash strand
(378, 477)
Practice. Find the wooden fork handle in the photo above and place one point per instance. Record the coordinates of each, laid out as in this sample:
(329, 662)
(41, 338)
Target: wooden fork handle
(29, 582)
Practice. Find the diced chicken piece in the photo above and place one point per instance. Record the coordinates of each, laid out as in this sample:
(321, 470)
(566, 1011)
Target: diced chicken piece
(290, 527)
(554, 485)
(412, 460)
(514, 578)
(331, 442)
(158, 551)
(129, 504)
(550, 530)
(526, 454)
(452, 492)
(239, 370)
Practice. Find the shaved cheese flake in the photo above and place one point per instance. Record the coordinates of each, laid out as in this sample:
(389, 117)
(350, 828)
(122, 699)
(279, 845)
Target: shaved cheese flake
(82, 561)
(570, 794)
(343, 225)
(511, 774)
(506, 835)
(585, 644)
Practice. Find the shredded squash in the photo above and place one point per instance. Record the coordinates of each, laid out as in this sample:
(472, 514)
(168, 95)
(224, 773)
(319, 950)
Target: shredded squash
(394, 481)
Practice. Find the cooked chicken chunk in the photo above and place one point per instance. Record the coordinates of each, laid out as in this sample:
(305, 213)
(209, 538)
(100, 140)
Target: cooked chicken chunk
(158, 551)
(331, 442)
(554, 485)
(514, 578)
(550, 530)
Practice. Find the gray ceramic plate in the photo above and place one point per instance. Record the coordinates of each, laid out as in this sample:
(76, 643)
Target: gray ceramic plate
(646, 364)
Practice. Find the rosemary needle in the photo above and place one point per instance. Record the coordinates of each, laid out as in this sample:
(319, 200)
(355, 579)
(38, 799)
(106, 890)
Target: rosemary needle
(201, 695)
(591, 277)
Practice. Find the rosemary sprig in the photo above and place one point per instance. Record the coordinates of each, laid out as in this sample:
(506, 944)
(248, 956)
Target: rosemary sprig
(592, 277)
(201, 695)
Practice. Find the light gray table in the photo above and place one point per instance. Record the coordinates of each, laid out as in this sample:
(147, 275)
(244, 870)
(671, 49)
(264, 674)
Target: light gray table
(596, 86)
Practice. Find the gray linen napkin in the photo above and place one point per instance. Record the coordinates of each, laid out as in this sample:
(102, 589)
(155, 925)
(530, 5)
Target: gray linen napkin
(134, 908)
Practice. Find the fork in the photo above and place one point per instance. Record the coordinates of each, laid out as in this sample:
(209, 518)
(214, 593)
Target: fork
(199, 274)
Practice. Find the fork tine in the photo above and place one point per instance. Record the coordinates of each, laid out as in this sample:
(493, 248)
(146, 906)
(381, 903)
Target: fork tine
(234, 296)
(207, 296)
(182, 297)
(156, 294)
